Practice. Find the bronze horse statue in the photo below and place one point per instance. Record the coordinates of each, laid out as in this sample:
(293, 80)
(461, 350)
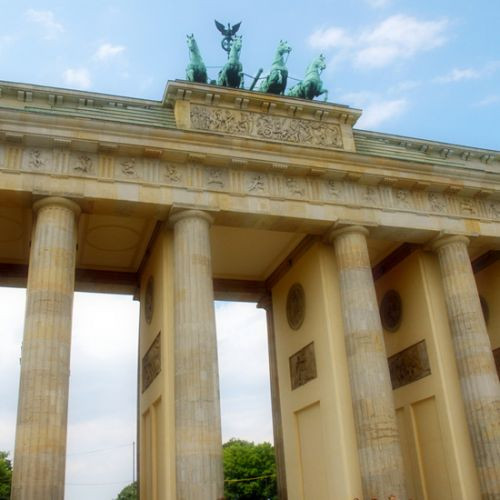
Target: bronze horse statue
(196, 70)
(231, 75)
(275, 81)
(311, 86)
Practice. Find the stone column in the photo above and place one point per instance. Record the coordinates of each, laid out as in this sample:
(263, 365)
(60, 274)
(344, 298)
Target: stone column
(199, 472)
(267, 303)
(379, 450)
(476, 367)
(40, 452)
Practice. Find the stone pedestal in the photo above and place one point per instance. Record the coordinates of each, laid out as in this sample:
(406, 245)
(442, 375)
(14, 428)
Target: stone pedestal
(40, 452)
(375, 420)
(476, 367)
(199, 472)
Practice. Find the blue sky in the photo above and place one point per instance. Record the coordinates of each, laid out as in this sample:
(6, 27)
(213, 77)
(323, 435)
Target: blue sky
(417, 68)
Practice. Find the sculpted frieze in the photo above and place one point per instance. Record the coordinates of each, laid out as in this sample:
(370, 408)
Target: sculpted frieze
(82, 163)
(278, 183)
(297, 131)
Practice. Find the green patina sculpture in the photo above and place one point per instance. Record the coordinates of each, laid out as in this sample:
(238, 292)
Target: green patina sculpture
(228, 34)
(311, 86)
(275, 81)
(231, 75)
(196, 71)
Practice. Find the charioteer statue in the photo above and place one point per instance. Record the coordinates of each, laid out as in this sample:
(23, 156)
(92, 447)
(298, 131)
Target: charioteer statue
(275, 82)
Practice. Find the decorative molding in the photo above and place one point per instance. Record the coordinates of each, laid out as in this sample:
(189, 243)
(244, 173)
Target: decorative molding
(295, 306)
(391, 311)
(409, 365)
(278, 182)
(303, 366)
(151, 363)
(264, 126)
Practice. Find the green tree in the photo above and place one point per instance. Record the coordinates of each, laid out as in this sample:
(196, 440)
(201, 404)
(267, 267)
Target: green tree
(244, 460)
(5, 476)
(129, 492)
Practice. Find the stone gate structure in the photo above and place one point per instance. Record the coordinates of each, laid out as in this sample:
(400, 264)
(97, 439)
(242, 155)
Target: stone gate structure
(374, 255)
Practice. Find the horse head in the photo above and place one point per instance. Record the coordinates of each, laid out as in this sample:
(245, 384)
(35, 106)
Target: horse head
(320, 63)
(191, 42)
(236, 45)
(284, 48)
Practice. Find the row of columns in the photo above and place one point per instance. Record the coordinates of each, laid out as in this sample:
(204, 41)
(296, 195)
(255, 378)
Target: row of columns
(39, 467)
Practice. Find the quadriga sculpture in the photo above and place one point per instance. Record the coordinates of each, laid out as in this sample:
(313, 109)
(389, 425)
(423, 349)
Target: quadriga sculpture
(311, 86)
(275, 81)
(231, 75)
(196, 71)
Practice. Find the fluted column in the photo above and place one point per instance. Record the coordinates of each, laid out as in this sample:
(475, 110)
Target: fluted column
(476, 367)
(379, 450)
(40, 452)
(199, 472)
(267, 303)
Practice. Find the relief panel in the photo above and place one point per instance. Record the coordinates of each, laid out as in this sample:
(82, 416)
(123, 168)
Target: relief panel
(261, 126)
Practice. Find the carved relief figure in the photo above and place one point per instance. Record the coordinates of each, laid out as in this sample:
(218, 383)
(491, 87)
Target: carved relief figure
(215, 177)
(333, 188)
(220, 120)
(172, 174)
(84, 164)
(494, 209)
(257, 183)
(293, 187)
(36, 160)
(437, 202)
(402, 196)
(467, 206)
(128, 167)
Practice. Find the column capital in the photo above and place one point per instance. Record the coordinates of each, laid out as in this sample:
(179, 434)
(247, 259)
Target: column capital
(335, 232)
(190, 214)
(57, 201)
(446, 239)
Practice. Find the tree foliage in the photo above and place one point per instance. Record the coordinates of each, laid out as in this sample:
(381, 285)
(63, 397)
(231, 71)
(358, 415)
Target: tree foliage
(129, 492)
(246, 460)
(5, 475)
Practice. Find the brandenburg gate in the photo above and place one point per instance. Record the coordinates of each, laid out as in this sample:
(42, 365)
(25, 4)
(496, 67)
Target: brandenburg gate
(374, 255)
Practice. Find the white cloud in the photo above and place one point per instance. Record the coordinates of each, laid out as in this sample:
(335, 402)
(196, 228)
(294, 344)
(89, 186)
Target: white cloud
(77, 77)
(107, 51)
(458, 74)
(330, 38)
(377, 108)
(378, 112)
(47, 20)
(489, 100)
(404, 86)
(397, 37)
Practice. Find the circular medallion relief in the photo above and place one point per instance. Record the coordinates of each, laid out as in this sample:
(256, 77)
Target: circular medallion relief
(295, 306)
(485, 308)
(391, 310)
(148, 300)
